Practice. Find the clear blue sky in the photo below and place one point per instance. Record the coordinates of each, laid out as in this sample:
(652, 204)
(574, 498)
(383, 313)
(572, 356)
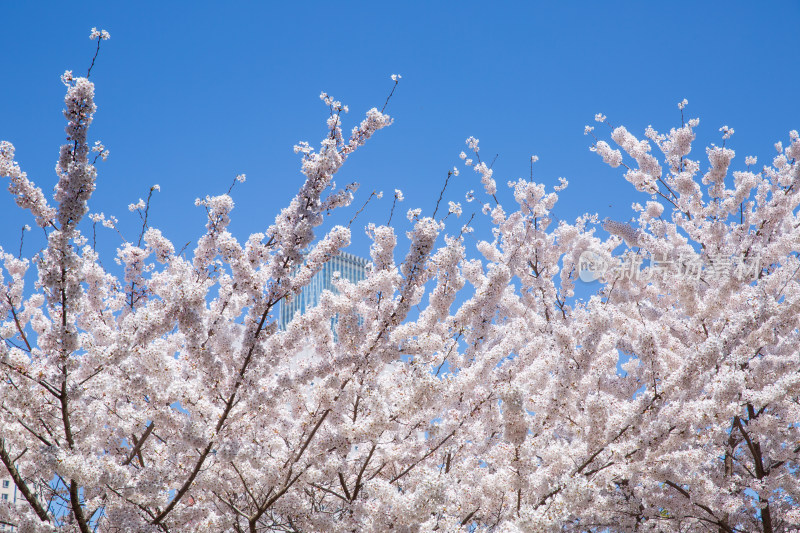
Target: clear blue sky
(190, 94)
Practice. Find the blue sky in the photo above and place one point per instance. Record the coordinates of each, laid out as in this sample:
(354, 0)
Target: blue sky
(191, 94)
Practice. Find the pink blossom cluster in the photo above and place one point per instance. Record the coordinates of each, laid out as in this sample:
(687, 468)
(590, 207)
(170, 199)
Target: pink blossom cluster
(463, 387)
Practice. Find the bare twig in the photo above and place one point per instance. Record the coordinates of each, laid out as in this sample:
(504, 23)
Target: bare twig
(143, 216)
(396, 81)
(441, 193)
(97, 51)
(391, 213)
(371, 195)
(21, 239)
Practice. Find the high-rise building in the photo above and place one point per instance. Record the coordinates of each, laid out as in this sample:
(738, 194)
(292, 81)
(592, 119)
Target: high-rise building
(349, 267)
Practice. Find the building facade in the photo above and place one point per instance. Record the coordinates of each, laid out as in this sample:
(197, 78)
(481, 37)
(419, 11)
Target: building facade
(349, 267)
(8, 494)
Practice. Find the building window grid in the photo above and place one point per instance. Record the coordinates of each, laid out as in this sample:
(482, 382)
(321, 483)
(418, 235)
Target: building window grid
(349, 266)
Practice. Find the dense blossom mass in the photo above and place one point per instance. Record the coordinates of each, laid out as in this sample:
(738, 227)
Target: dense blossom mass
(464, 389)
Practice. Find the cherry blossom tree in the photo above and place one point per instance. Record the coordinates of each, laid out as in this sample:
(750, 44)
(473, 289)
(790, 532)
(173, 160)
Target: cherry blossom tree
(165, 398)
